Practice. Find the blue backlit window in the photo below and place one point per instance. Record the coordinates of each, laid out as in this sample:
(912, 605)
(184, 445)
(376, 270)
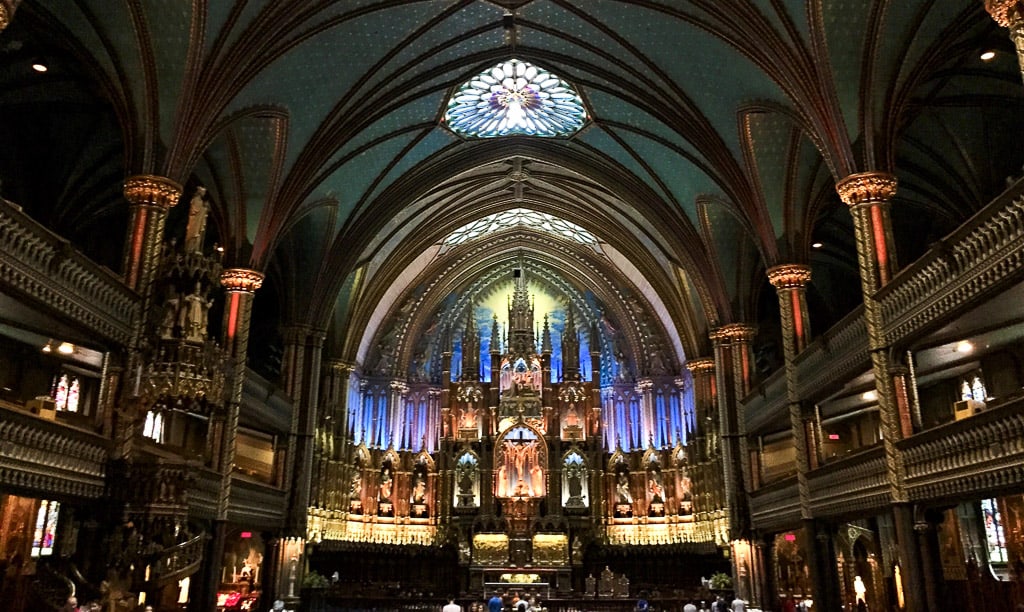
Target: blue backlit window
(515, 97)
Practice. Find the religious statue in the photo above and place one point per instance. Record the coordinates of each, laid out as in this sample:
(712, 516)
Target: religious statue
(192, 318)
(622, 488)
(468, 418)
(196, 228)
(171, 305)
(385, 484)
(419, 488)
(655, 487)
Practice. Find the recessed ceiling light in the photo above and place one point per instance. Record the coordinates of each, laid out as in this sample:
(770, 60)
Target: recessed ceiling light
(47, 348)
(964, 347)
(39, 67)
(816, 245)
(988, 55)
(869, 396)
(66, 348)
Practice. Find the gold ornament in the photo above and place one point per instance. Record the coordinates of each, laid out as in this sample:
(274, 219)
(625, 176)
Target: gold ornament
(1004, 12)
(5, 17)
(789, 276)
(866, 187)
(149, 190)
(697, 366)
(241, 279)
(733, 331)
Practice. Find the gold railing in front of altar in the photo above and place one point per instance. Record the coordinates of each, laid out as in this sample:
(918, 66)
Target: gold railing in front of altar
(370, 530)
(711, 530)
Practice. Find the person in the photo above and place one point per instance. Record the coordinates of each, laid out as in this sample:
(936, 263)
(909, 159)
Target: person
(690, 607)
(863, 607)
(720, 605)
(642, 605)
(70, 605)
(451, 606)
(495, 604)
(738, 605)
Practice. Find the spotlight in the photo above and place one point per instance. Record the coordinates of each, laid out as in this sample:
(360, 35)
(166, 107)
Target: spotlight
(964, 347)
(988, 55)
(869, 396)
(66, 348)
(48, 347)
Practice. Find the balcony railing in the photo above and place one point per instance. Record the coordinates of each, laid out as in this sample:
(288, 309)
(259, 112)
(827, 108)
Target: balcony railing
(776, 506)
(40, 454)
(973, 457)
(854, 484)
(45, 267)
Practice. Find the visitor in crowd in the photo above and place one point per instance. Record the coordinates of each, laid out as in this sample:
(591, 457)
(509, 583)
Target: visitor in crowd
(495, 604)
(451, 606)
(690, 607)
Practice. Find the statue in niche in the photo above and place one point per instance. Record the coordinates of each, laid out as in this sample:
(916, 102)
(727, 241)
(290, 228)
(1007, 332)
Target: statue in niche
(385, 484)
(419, 488)
(622, 488)
(192, 317)
(655, 487)
(658, 367)
(621, 369)
(468, 421)
(198, 210)
(170, 318)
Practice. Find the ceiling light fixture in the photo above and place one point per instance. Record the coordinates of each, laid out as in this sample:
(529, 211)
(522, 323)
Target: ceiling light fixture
(816, 245)
(964, 347)
(869, 396)
(48, 347)
(988, 55)
(39, 67)
(66, 348)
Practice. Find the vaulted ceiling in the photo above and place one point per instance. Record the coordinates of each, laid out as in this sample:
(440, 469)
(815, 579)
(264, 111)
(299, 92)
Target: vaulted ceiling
(716, 133)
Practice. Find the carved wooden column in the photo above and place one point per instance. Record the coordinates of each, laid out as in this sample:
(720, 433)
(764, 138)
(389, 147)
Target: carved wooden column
(868, 195)
(334, 421)
(1010, 14)
(705, 400)
(7, 8)
(240, 287)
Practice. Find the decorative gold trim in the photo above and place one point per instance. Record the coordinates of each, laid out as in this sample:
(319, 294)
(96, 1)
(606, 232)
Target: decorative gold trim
(733, 331)
(146, 189)
(866, 187)
(704, 364)
(789, 276)
(1000, 11)
(5, 17)
(241, 279)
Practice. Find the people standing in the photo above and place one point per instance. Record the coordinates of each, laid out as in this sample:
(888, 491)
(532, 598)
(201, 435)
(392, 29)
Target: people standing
(738, 605)
(690, 607)
(451, 606)
(495, 604)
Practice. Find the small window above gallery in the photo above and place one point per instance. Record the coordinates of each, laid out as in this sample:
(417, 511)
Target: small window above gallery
(515, 98)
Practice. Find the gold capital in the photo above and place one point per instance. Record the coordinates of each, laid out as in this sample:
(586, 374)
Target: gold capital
(704, 364)
(866, 187)
(1004, 12)
(733, 331)
(5, 17)
(789, 276)
(149, 190)
(241, 279)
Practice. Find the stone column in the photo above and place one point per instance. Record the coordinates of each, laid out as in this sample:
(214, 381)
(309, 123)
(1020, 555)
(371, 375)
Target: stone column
(1010, 14)
(868, 195)
(7, 8)
(240, 287)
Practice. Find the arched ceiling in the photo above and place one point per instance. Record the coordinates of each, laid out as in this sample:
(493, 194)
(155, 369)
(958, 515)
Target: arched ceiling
(717, 131)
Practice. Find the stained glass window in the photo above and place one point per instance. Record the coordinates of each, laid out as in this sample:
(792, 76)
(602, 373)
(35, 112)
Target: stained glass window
(519, 216)
(515, 97)
(153, 428)
(994, 535)
(45, 529)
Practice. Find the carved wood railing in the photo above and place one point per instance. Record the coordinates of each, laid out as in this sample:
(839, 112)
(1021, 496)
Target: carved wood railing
(257, 504)
(45, 267)
(174, 563)
(854, 484)
(977, 456)
(44, 455)
(983, 255)
(776, 506)
(835, 357)
(767, 405)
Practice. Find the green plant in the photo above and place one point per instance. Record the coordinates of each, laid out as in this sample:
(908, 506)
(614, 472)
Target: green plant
(314, 580)
(720, 581)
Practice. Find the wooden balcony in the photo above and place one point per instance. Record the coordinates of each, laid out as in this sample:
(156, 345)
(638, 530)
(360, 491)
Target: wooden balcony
(50, 457)
(855, 484)
(776, 507)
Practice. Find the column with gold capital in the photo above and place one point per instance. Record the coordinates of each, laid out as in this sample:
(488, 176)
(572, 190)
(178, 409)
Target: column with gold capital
(705, 433)
(868, 195)
(240, 287)
(733, 371)
(1010, 14)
